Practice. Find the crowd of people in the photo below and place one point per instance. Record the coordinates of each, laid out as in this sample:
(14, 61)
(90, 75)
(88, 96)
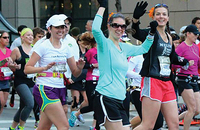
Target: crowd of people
(103, 71)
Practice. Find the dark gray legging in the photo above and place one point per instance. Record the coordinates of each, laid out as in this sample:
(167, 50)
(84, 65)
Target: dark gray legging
(26, 102)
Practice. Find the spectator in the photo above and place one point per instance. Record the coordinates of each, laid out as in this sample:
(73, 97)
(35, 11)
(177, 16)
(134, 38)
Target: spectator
(88, 26)
(75, 31)
(38, 33)
(196, 22)
(17, 41)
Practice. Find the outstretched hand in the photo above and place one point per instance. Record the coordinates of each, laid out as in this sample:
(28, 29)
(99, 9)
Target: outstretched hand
(103, 3)
(80, 63)
(153, 26)
(140, 9)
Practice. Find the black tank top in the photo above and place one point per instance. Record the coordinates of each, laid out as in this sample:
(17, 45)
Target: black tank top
(162, 49)
(20, 76)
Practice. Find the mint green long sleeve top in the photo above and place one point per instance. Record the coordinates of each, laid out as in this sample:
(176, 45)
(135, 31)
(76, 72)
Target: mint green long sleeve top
(113, 65)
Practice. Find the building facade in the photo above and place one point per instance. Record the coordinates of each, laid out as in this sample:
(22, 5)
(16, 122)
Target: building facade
(19, 12)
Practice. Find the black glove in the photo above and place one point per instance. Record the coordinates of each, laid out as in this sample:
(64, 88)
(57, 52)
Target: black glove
(103, 3)
(153, 26)
(118, 5)
(140, 9)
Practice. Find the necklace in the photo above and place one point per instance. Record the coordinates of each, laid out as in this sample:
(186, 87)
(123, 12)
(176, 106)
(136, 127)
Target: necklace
(3, 50)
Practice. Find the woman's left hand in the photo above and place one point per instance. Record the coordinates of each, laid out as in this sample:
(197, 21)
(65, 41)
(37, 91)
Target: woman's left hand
(80, 63)
(71, 81)
(191, 62)
(9, 60)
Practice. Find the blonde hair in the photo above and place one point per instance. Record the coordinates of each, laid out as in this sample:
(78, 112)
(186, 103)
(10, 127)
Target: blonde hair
(25, 30)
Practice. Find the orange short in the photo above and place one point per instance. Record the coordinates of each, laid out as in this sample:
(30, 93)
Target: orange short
(155, 89)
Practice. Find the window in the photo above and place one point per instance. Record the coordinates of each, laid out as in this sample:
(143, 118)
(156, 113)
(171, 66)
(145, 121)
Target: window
(79, 10)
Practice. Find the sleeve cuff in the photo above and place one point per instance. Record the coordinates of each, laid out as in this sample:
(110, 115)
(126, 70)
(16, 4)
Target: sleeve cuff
(99, 15)
(150, 37)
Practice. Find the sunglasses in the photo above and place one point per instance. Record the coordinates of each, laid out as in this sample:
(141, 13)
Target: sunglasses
(5, 37)
(161, 5)
(116, 25)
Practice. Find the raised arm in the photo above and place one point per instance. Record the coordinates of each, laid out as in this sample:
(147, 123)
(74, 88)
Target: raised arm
(148, 41)
(102, 7)
(96, 26)
(138, 12)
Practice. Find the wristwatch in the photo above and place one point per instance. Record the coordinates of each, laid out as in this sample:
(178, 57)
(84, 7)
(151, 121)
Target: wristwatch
(91, 66)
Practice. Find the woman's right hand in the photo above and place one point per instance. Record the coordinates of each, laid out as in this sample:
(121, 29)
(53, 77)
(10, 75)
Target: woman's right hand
(17, 66)
(140, 9)
(80, 63)
(14, 65)
(49, 66)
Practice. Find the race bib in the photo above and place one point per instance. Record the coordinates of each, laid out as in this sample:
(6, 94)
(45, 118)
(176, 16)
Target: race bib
(59, 67)
(164, 65)
(6, 71)
(95, 72)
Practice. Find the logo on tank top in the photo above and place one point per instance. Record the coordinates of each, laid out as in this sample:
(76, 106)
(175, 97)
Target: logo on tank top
(166, 49)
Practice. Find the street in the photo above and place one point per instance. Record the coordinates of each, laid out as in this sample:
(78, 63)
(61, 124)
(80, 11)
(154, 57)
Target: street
(8, 114)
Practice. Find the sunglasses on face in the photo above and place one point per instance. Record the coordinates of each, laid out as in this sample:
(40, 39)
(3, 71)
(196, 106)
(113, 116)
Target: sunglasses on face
(116, 25)
(5, 37)
(161, 5)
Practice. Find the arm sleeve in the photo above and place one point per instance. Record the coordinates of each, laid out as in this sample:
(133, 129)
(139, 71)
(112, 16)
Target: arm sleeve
(87, 64)
(40, 50)
(134, 50)
(69, 53)
(97, 32)
(176, 58)
(139, 34)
